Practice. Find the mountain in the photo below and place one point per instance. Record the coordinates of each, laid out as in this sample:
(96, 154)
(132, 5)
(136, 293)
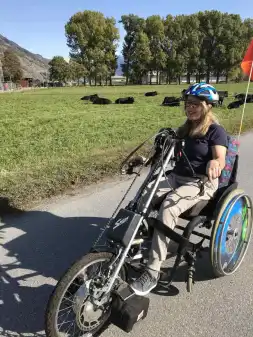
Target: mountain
(33, 65)
(119, 62)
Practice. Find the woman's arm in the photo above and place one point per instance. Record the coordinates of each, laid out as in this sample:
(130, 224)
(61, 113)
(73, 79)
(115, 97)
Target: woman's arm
(219, 154)
(217, 164)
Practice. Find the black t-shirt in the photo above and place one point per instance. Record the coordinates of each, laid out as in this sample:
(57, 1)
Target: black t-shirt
(199, 152)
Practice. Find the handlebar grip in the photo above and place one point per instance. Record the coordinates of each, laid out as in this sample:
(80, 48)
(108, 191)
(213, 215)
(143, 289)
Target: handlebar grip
(204, 179)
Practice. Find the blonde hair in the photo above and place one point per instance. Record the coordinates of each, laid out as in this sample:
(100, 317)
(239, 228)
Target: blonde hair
(192, 129)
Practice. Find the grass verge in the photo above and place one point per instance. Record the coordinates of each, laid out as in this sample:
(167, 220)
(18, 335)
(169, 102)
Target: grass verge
(52, 141)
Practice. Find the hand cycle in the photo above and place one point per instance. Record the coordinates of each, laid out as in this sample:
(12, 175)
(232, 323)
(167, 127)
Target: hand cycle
(96, 299)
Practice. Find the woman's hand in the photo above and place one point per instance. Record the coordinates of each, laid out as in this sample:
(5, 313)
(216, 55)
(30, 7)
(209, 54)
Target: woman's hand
(213, 169)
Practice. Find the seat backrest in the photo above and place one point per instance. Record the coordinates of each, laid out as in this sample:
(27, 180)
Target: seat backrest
(228, 174)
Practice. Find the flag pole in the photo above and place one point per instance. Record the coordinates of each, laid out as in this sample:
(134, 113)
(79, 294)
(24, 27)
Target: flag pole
(244, 106)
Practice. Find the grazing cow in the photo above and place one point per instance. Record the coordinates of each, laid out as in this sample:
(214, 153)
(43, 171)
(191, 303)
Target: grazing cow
(89, 97)
(171, 101)
(151, 93)
(235, 104)
(221, 99)
(249, 99)
(126, 100)
(101, 100)
(183, 94)
(223, 93)
(242, 97)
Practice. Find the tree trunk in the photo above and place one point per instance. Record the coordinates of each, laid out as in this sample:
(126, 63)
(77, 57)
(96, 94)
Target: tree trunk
(161, 77)
(150, 77)
(110, 80)
(179, 79)
(188, 78)
(217, 77)
(100, 80)
(167, 77)
(106, 81)
(208, 76)
(157, 77)
(90, 81)
(127, 73)
(227, 78)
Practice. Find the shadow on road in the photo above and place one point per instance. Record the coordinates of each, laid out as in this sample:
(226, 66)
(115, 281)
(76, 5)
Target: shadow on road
(203, 272)
(43, 247)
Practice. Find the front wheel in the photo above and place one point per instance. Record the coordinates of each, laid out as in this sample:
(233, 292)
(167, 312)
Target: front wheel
(74, 308)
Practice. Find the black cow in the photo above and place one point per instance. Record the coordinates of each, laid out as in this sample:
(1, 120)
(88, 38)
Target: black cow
(223, 93)
(183, 94)
(221, 99)
(242, 97)
(101, 100)
(126, 100)
(171, 101)
(249, 99)
(151, 93)
(235, 104)
(89, 97)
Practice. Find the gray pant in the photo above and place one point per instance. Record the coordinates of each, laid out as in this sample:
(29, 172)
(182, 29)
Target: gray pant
(172, 207)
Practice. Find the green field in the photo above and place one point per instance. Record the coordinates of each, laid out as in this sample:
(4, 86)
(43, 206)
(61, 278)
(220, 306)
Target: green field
(51, 140)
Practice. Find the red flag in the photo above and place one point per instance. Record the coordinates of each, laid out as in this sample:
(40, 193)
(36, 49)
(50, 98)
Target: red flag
(247, 61)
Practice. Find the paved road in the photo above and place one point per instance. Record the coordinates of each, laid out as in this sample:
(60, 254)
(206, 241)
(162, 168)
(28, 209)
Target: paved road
(37, 246)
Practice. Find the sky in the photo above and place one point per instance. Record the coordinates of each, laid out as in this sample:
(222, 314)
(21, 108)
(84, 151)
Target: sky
(38, 26)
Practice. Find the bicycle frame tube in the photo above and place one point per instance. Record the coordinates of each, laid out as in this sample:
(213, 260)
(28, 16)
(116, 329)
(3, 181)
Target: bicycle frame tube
(126, 250)
(144, 184)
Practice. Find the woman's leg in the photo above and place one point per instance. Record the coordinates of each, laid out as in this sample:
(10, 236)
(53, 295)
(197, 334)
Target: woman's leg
(163, 188)
(172, 207)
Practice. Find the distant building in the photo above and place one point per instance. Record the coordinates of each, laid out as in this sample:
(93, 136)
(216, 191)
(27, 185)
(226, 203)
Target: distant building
(118, 80)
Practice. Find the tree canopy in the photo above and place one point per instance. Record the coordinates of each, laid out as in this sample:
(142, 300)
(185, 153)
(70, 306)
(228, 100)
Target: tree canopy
(203, 44)
(11, 66)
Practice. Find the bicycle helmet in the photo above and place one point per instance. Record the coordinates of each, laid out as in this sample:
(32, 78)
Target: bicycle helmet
(203, 91)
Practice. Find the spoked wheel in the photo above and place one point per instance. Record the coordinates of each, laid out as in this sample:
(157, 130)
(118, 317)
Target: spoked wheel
(74, 308)
(231, 233)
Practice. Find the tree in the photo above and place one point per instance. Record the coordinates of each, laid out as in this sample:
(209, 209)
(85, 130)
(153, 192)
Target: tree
(90, 36)
(111, 39)
(176, 63)
(133, 25)
(188, 45)
(76, 71)
(11, 66)
(141, 58)
(155, 32)
(58, 69)
(1, 71)
(232, 44)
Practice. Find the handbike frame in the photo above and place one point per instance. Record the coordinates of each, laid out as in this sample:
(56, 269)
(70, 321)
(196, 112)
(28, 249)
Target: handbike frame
(132, 205)
(182, 240)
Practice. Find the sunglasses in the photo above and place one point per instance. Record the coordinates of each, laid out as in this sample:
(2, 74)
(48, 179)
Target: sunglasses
(192, 104)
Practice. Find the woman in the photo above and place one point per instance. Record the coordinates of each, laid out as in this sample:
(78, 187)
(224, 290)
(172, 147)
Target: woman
(205, 147)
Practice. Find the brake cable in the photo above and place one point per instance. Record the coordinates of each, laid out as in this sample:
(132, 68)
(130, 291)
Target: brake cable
(108, 224)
